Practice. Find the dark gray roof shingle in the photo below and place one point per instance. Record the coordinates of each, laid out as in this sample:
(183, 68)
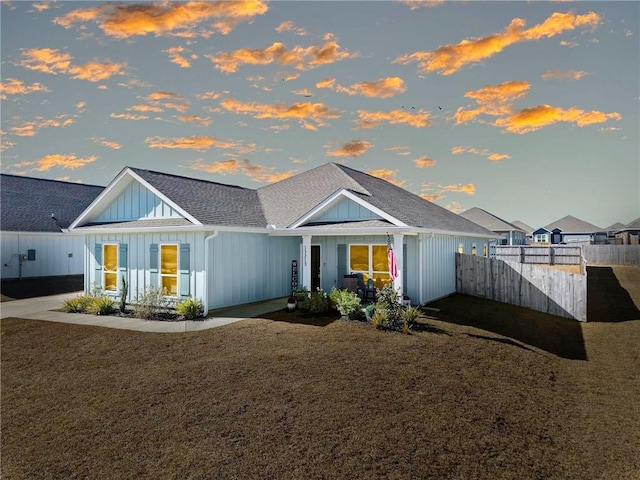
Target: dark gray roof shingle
(27, 203)
(210, 203)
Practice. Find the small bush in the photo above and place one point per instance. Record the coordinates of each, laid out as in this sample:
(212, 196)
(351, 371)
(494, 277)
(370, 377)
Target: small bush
(150, 303)
(79, 304)
(345, 301)
(387, 301)
(190, 308)
(379, 320)
(410, 315)
(102, 306)
(318, 302)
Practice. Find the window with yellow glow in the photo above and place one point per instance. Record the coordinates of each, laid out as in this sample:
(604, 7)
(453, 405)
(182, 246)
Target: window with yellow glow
(461, 248)
(485, 250)
(110, 267)
(371, 261)
(169, 269)
(473, 249)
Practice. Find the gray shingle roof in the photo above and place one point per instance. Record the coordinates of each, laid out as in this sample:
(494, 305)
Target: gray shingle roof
(523, 226)
(288, 200)
(615, 227)
(571, 224)
(210, 202)
(635, 225)
(27, 203)
(488, 220)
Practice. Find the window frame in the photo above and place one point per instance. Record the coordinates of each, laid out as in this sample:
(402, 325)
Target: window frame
(162, 275)
(106, 272)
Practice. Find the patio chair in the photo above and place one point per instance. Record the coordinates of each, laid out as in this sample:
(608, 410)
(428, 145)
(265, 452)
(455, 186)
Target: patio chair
(368, 290)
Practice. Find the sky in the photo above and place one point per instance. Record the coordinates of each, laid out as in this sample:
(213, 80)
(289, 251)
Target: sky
(529, 110)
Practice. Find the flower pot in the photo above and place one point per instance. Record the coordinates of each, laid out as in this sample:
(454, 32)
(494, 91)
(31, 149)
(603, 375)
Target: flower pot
(292, 303)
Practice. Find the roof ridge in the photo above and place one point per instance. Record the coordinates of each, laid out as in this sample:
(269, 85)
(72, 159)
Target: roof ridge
(52, 180)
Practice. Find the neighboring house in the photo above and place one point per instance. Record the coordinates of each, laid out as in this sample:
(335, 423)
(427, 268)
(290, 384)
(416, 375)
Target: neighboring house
(526, 229)
(509, 234)
(566, 230)
(229, 245)
(630, 233)
(35, 215)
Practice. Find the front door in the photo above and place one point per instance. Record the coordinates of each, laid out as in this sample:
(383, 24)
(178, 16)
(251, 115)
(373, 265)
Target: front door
(315, 267)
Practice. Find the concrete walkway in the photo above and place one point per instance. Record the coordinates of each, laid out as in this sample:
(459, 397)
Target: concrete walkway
(42, 308)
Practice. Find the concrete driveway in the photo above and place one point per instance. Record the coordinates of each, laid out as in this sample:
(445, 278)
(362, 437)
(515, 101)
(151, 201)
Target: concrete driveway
(43, 308)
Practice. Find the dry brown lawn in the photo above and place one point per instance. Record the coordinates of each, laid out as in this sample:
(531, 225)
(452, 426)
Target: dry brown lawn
(481, 391)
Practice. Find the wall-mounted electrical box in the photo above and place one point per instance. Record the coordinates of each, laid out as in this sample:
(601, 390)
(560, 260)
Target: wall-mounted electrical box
(31, 255)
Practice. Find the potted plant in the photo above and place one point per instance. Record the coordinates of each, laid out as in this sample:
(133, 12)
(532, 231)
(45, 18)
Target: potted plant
(292, 303)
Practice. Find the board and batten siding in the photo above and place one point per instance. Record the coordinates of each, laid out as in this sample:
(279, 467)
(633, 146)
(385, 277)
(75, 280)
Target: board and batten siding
(438, 256)
(136, 202)
(249, 267)
(57, 254)
(137, 272)
(347, 209)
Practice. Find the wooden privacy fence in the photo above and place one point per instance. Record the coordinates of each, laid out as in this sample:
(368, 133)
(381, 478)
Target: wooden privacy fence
(612, 254)
(543, 289)
(547, 254)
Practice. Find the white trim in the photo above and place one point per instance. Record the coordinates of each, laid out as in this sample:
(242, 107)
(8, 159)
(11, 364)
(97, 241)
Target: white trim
(333, 232)
(177, 228)
(116, 187)
(21, 232)
(335, 198)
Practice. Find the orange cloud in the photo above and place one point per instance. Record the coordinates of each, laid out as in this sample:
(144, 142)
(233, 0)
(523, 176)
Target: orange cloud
(52, 61)
(424, 162)
(196, 143)
(300, 58)
(316, 112)
(29, 129)
(533, 118)
(571, 75)
(415, 4)
(106, 143)
(95, 71)
(164, 18)
(455, 207)
(211, 95)
(419, 119)
(469, 188)
(390, 176)
(128, 116)
(383, 88)
(353, 149)
(48, 162)
(492, 100)
(432, 197)
(485, 153)
(448, 59)
(257, 173)
(290, 27)
(197, 119)
(145, 108)
(175, 57)
(13, 86)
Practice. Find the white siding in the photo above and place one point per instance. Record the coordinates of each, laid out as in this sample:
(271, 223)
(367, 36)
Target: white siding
(248, 267)
(56, 254)
(134, 203)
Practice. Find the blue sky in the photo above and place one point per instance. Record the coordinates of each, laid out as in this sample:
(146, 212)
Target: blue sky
(529, 110)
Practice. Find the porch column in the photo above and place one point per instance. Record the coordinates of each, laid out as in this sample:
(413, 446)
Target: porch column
(398, 248)
(306, 261)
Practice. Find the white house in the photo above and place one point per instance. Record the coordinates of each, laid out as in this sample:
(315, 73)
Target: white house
(229, 245)
(34, 220)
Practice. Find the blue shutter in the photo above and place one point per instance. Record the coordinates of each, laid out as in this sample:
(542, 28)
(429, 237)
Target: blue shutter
(342, 263)
(184, 266)
(97, 282)
(404, 269)
(153, 265)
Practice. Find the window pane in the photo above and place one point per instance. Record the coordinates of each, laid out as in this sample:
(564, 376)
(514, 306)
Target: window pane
(380, 260)
(110, 258)
(111, 281)
(169, 259)
(359, 258)
(170, 286)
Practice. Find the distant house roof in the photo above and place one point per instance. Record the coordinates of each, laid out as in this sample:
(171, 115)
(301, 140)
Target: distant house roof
(488, 220)
(286, 201)
(522, 226)
(634, 225)
(615, 227)
(571, 224)
(29, 203)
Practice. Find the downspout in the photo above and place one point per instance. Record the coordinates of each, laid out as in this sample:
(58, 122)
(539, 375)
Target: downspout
(420, 269)
(205, 299)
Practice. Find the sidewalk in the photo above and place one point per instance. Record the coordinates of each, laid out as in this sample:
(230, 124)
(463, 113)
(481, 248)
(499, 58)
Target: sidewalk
(42, 308)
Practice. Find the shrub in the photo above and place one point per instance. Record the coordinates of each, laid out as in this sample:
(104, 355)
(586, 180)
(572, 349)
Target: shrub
(190, 308)
(150, 303)
(379, 320)
(410, 315)
(345, 301)
(102, 306)
(79, 304)
(318, 302)
(387, 301)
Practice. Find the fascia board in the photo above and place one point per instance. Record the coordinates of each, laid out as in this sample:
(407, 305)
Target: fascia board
(332, 232)
(427, 231)
(337, 196)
